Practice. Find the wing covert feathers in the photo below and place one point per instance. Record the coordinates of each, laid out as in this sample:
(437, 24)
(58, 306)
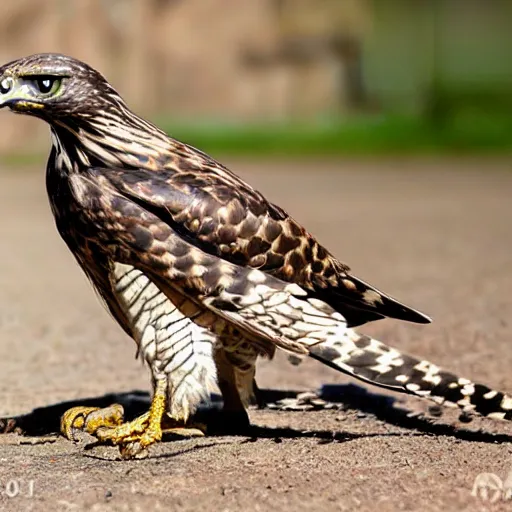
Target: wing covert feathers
(230, 220)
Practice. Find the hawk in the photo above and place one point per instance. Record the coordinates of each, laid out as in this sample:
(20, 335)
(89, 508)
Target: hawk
(200, 269)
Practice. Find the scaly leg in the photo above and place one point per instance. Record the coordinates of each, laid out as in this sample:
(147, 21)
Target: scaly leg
(133, 437)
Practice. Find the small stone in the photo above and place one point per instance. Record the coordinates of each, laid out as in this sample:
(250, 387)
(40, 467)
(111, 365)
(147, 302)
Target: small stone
(287, 401)
(318, 403)
(435, 410)
(465, 418)
(307, 395)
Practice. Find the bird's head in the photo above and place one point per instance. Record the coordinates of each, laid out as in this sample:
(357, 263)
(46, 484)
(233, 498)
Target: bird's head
(53, 86)
(90, 122)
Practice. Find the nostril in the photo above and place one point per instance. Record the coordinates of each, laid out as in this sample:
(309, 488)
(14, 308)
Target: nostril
(5, 85)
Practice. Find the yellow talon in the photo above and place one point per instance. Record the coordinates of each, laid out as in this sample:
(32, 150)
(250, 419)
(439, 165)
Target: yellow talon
(133, 437)
(121, 432)
(90, 419)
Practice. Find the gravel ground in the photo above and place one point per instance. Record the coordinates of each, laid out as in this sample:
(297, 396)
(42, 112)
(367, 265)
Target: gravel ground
(434, 233)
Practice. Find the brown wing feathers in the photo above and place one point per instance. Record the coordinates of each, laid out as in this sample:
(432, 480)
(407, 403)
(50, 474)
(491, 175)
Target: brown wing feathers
(241, 227)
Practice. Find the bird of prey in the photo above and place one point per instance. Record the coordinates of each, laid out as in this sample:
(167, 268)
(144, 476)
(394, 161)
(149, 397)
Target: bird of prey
(200, 269)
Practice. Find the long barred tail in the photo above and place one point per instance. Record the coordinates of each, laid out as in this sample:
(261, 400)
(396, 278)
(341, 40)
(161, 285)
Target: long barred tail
(285, 315)
(372, 361)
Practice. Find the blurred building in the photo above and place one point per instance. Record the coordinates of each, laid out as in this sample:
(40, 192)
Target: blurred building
(260, 60)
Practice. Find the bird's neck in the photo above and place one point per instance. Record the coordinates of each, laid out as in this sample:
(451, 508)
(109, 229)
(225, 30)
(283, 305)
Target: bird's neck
(106, 141)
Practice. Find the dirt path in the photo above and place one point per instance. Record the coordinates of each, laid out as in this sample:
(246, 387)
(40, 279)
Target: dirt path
(436, 234)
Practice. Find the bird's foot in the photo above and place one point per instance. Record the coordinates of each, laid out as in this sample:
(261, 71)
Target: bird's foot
(133, 438)
(107, 426)
(90, 419)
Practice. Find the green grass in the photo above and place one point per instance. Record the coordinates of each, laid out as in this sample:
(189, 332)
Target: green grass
(465, 132)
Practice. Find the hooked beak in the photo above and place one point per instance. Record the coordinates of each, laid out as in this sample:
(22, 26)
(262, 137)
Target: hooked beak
(12, 97)
(6, 91)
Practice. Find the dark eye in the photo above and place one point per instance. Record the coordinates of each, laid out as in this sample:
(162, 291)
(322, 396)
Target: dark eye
(44, 84)
(47, 84)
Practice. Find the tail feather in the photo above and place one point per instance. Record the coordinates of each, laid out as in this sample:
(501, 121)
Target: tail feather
(285, 315)
(372, 361)
(360, 302)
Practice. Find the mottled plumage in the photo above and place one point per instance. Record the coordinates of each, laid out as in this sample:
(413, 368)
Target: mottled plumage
(197, 266)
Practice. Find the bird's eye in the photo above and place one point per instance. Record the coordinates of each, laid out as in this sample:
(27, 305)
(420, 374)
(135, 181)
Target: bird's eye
(47, 84)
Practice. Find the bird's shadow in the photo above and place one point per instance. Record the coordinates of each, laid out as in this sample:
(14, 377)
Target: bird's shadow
(46, 420)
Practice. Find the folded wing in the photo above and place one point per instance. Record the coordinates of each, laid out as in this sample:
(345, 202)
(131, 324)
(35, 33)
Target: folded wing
(238, 225)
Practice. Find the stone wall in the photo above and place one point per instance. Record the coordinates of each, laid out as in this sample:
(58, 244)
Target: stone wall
(245, 60)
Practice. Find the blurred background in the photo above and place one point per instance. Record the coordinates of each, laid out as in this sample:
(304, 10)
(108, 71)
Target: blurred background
(403, 109)
(287, 76)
